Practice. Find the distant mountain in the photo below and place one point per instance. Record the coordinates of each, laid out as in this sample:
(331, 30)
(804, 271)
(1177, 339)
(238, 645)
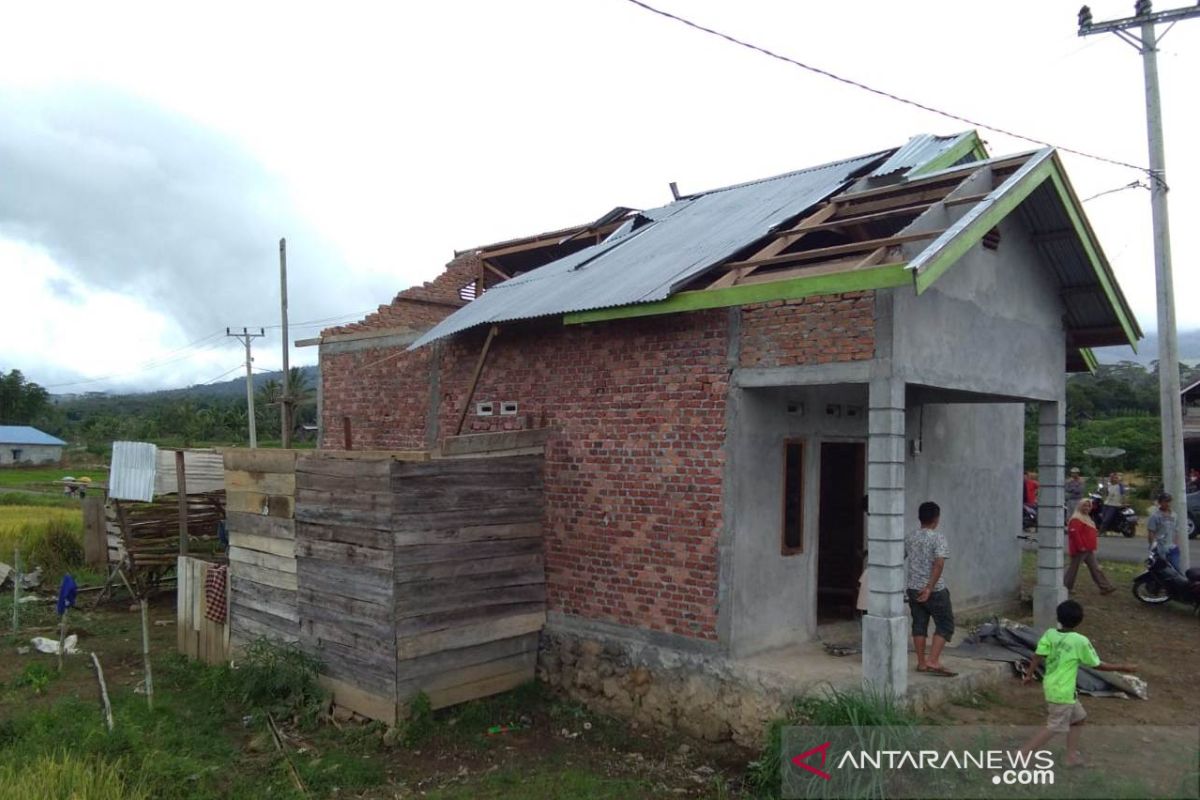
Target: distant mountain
(234, 387)
(1189, 350)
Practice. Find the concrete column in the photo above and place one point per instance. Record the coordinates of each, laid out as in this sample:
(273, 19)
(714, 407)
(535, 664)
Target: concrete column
(1052, 456)
(886, 626)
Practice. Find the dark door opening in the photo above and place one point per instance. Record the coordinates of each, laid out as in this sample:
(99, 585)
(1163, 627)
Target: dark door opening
(841, 529)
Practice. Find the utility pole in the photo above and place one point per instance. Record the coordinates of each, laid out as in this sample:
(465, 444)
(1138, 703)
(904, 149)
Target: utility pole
(1145, 41)
(246, 337)
(285, 402)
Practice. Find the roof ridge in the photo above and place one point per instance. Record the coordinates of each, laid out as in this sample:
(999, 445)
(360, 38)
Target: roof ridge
(792, 173)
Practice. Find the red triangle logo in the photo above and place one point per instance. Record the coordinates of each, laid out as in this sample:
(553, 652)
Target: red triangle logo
(800, 760)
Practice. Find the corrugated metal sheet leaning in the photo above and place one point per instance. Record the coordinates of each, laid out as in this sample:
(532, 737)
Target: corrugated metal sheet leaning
(131, 474)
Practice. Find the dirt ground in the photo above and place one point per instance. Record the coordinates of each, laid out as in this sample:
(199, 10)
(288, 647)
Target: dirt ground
(1164, 641)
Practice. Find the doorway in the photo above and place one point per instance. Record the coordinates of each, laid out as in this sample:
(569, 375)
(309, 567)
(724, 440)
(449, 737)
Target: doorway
(841, 527)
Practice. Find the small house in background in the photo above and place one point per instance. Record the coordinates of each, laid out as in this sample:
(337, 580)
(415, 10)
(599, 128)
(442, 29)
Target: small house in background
(22, 444)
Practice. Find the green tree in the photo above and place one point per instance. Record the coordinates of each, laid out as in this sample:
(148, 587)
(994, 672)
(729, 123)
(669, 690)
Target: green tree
(21, 400)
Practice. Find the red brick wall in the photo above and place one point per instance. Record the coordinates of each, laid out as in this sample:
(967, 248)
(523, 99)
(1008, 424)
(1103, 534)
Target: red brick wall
(385, 393)
(812, 330)
(633, 478)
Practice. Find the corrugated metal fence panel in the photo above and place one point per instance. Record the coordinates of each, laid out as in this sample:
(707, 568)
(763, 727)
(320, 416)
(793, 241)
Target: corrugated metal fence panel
(674, 245)
(204, 471)
(131, 476)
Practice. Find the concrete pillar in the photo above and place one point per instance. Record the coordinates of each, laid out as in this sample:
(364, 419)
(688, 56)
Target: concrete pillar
(1052, 456)
(886, 627)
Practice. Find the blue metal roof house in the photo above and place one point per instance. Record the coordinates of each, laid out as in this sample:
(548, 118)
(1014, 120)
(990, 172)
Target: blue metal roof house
(22, 444)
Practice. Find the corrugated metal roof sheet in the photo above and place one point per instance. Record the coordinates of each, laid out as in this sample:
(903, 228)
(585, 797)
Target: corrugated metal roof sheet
(203, 471)
(674, 244)
(24, 434)
(917, 151)
(131, 476)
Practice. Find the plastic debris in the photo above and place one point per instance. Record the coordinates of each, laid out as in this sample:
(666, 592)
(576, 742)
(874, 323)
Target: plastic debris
(44, 645)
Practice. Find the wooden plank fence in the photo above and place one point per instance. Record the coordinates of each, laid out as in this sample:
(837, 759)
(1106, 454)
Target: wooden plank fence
(197, 636)
(260, 490)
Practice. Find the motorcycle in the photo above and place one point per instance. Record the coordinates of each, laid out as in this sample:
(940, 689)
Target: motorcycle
(1161, 583)
(1193, 514)
(1029, 516)
(1124, 521)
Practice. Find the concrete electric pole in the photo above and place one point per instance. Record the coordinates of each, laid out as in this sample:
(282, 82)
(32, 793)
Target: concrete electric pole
(246, 337)
(285, 402)
(1145, 41)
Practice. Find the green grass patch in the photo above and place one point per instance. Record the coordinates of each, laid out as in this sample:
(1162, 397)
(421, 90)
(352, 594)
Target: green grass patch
(65, 775)
(45, 477)
(562, 782)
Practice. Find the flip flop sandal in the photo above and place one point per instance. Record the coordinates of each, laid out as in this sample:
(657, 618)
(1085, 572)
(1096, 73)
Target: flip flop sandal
(941, 672)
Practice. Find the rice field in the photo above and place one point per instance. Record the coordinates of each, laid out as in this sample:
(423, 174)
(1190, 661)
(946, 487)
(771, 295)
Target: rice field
(45, 534)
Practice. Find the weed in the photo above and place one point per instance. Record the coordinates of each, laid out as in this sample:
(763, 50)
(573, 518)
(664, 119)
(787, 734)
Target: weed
(35, 676)
(276, 678)
(418, 728)
(66, 775)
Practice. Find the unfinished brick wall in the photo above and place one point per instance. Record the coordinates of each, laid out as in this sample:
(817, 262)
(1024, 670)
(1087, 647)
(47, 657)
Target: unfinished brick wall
(634, 472)
(812, 330)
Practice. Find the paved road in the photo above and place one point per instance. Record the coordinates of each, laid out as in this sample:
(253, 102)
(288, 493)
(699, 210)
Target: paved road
(1118, 548)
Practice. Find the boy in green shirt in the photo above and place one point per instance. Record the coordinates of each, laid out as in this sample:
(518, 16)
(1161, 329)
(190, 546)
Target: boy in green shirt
(1064, 651)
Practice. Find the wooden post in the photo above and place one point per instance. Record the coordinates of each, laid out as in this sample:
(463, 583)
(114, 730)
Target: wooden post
(16, 576)
(285, 402)
(146, 653)
(181, 488)
(105, 705)
(95, 539)
(347, 438)
(487, 343)
(62, 637)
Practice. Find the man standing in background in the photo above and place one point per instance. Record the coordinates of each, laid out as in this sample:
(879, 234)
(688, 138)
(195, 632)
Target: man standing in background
(1072, 492)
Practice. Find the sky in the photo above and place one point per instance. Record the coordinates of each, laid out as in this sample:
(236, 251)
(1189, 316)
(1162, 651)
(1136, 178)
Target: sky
(151, 155)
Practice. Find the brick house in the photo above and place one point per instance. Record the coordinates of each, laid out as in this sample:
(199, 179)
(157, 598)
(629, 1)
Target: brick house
(751, 389)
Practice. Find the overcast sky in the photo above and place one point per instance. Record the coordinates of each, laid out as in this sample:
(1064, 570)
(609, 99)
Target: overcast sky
(151, 158)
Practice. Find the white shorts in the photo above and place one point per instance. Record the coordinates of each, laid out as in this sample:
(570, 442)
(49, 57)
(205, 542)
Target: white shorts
(1061, 716)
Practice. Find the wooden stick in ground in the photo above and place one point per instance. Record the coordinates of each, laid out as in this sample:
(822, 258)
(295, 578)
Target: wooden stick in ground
(62, 636)
(279, 746)
(146, 653)
(105, 705)
(16, 578)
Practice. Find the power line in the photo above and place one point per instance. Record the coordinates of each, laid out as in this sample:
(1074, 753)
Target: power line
(149, 365)
(222, 375)
(880, 92)
(1138, 184)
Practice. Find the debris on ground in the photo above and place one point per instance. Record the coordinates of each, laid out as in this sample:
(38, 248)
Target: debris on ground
(50, 646)
(842, 649)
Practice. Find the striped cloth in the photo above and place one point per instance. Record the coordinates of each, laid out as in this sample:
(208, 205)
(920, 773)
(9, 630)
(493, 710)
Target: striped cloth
(215, 580)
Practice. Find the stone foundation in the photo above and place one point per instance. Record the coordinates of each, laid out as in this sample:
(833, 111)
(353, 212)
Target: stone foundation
(693, 693)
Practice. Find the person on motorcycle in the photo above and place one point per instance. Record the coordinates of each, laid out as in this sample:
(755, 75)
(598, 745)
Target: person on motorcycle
(1114, 501)
(1163, 531)
(1082, 541)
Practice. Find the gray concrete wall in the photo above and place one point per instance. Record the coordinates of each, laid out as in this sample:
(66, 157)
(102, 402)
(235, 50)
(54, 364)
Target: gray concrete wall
(773, 596)
(970, 465)
(992, 323)
(31, 453)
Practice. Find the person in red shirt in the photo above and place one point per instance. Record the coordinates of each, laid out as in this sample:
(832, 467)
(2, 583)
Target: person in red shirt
(1031, 488)
(1082, 541)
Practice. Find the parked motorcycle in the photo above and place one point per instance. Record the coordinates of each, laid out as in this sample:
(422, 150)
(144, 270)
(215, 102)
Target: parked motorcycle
(1161, 583)
(1029, 516)
(1193, 514)
(1124, 521)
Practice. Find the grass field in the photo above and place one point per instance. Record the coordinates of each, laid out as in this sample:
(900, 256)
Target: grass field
(43, 478)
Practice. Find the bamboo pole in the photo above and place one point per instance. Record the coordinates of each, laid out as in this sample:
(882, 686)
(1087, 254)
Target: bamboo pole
(16, 576)
(146, 653)
(105, 705)
(62, 636)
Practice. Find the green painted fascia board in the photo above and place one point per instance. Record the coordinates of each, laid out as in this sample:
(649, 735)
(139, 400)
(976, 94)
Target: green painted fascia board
(968, 144)
(948, 248)
(1092, 248)
(1089, 358)
(881, 277)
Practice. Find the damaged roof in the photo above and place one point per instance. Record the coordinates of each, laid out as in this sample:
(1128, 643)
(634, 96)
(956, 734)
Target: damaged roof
(899, 217)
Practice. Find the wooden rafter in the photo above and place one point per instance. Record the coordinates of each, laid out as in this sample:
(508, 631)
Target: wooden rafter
(782, 240)
(836, 250)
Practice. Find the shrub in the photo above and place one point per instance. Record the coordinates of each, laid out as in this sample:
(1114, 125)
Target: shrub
(65, 775)
(279, 679)
(59, 549)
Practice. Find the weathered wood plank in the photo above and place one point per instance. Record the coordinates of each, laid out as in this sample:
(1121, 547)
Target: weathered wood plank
(269, 599)
(343, 483)
(425, 553)
(449, 660)
(259, 460)
(368, 455)
(441, 698)
(368, 501)
(357, 583)
(376, 675)
(422, 604)
(260, 525)
(416, 500)
(374, 639)
(348, 607)
(405, 572)
(370, 705)
(268, 577)
(256, 558)
(249, 624)
(237, 480)
(414, 626)
(310, 468)
(457, 518)
(263, 544)
(347, 517)
(469, 533)
(451, 639)
(491, 466)
(496, 582)
(367, 537)
(345, 553)
(274, 505)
